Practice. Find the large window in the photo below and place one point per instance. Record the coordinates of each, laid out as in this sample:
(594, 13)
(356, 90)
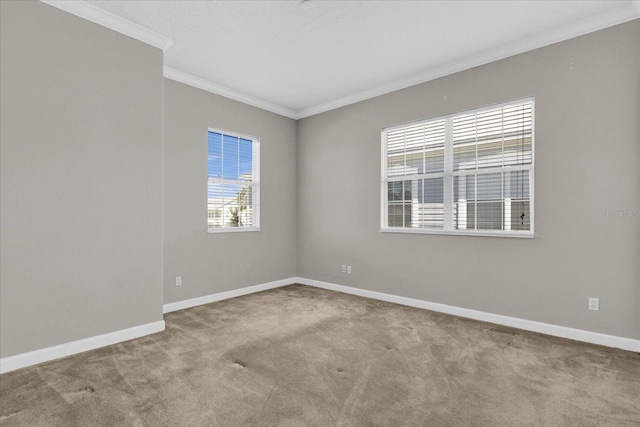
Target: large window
(464, 173)
(233, 191)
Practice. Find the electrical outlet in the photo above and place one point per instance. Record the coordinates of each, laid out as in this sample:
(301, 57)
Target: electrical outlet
(344, 268)
(594, 304)
(178, 280)
(349, 269)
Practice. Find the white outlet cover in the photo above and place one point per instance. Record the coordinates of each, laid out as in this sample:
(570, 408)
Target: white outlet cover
(178, 280)
(349, 269)
(344, 268)
(594, 304)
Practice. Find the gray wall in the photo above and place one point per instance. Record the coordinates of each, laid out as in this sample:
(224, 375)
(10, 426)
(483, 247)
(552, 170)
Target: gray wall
(211, 263)
(81, 173)
(587, 161)
(84, 174)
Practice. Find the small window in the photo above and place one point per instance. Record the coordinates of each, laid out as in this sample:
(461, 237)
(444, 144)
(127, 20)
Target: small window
(233, 190)
(464, 173)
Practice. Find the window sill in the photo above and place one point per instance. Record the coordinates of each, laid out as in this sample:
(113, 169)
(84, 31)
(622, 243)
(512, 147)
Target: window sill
(232, 230)
(487, 233)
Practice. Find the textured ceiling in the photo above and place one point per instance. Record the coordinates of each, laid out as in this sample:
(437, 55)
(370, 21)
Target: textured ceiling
(307, 56)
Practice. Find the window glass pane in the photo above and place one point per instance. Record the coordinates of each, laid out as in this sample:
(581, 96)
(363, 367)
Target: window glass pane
(395, 153)
(471, 186)
(463, 198)
(464, 142)
(399, 196)
(395, 191)
(520, 214)
(489, 186)
(246, 160)
(230, 157)
(489, 205)
(490, 154)
(241, 207)
(429, 206)
(430, 190)
(411, 216)
(517, 151)
(407, 215)
(516, 185)
(214, 158)
(434, 146)
(434, 160)
(408, 190)
(216, 204)
(499, 135)
(464, 156)
(518, 134)
(414, 149)
(516, 193)
(395, 215)
(231, 204)
(488, 215)
(489, 138)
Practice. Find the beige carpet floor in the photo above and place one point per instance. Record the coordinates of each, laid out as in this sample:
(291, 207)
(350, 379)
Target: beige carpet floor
(299, 356)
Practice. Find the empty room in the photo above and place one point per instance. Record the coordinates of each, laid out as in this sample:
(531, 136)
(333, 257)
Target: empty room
(320, 213)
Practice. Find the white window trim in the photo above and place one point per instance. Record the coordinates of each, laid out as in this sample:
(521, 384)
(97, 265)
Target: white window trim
(254, 184)
(384, 211)
(232, 230)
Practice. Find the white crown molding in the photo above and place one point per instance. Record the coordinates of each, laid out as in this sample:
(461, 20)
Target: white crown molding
(207, 299)
(617, 16)
(514, 322)
(23, 360)
(209, 86)
(99, 16)
(114, 22)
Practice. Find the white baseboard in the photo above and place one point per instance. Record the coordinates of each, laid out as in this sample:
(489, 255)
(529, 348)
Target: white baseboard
(12, 363)
(207, 299)
(528, 325)
(23, 360)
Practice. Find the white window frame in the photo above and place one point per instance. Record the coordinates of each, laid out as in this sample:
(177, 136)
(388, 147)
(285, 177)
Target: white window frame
(448, 175)
(255, 184)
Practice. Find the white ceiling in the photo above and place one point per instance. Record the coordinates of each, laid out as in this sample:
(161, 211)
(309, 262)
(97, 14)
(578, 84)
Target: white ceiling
(300, 58)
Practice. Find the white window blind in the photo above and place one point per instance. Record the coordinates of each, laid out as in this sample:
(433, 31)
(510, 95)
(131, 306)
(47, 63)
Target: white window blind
(233, 189)
(464, 173)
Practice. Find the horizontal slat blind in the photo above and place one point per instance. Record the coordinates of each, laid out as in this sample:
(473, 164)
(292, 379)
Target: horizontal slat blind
(467, 172)
(416, 149)
(413, 151)
(233, 186)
